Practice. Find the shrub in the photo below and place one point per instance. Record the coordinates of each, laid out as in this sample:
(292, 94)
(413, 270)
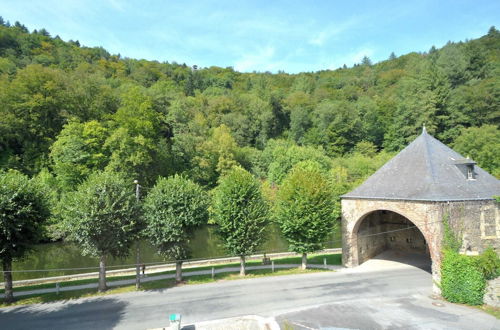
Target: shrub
(462, 281)
(489, 263)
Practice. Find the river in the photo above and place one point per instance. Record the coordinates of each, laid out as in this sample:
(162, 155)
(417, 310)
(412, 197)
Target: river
(205, 244)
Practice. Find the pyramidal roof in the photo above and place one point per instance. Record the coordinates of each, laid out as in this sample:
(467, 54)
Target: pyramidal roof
(428, 170)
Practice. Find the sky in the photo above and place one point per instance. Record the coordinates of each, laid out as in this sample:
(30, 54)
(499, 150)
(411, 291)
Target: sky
(273, 35)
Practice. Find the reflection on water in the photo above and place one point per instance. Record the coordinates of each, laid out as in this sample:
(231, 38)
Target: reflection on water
(205, 244)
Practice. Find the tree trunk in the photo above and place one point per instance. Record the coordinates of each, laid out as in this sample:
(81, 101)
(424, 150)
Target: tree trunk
(304, 260)
(102, 274)
(137, 267)
(7, 268)
(178, 271)
(242, 266)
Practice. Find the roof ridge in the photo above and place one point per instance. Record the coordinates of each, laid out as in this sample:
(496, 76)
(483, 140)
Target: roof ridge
(428, 158)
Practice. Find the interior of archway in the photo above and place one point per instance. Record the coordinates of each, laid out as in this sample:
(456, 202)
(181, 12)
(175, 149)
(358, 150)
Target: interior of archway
(382, 231)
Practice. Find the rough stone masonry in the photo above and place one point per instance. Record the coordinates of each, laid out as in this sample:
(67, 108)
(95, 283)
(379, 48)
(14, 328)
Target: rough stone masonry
(402, 206)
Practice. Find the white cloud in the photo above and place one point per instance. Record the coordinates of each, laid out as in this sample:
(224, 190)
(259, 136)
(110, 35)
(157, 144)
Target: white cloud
(333, 30)
(262, 60)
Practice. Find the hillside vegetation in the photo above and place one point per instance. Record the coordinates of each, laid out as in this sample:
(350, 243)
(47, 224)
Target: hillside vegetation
(67, 111)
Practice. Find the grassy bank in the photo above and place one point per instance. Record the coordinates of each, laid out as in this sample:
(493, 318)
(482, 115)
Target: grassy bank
(153, 285)
(331, 259)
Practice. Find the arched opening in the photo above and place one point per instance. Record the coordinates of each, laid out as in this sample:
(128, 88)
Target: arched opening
(384, 234)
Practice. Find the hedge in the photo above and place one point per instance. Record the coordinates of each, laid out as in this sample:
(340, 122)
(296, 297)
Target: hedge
(462, 280)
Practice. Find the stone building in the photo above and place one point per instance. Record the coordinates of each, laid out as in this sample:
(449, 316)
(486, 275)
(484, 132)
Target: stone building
(402, 206)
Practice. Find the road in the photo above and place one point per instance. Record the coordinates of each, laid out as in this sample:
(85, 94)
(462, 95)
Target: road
(390, 296)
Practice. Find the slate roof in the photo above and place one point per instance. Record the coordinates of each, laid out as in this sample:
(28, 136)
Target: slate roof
(427, 170)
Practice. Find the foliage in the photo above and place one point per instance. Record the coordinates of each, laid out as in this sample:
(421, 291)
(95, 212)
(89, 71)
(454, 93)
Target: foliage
(482, 144)
(78, 151)
(240, 212)
(461, 279)
(102, 215)
(305, 208)
(73, 110)
(489, 263)
(23, 209)
(172, 210)
(450, 238)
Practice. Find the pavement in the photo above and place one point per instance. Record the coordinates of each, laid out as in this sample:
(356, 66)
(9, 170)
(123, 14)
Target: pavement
(389, 295)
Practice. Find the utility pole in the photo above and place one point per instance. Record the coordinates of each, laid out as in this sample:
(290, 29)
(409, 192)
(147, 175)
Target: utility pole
(138, 248)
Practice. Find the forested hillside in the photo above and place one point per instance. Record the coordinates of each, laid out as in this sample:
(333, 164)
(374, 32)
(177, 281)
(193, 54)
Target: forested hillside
(67, 110)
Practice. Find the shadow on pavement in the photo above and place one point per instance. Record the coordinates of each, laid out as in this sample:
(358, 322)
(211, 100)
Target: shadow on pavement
(106, 312)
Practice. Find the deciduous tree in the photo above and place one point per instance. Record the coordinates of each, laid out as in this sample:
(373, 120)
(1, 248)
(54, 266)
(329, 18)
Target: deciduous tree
(173, 209)
(240, 212)
(102, 216)
(23, 209)
(305, 209)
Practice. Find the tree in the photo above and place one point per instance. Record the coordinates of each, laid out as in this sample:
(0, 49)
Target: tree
(172, 210)
(23, 209)
(78, 151)
(482, 144)
(240, 212)
(216, 156)
(102, 216)
(305, 209)
(366, 61)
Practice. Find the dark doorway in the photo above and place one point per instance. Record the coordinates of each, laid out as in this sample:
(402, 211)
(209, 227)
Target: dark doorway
(388, 235)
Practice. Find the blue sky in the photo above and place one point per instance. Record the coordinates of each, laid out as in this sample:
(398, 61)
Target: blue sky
(293, 36)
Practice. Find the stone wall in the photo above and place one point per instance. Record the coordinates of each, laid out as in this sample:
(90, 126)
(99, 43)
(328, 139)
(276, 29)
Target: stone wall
(476, 222)
(492, 293)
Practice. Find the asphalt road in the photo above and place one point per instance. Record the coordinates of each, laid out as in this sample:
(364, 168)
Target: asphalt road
(383, 296)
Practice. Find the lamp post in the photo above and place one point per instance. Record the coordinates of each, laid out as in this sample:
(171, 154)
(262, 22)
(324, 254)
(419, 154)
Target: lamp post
(138, 248)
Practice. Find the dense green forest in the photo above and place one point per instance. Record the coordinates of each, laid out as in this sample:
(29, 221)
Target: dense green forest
(67, 111)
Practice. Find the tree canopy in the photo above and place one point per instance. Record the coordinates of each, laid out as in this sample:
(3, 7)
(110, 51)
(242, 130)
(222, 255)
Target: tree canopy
(172, 210)
(102, 216)
(23, 209)
(305, 208)
(68, 111)
(240, 212)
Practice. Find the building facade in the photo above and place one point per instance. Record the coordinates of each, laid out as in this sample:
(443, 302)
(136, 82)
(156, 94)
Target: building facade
(403, 204)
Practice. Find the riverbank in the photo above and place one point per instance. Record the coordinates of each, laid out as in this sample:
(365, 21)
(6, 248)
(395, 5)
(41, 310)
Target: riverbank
(84, 288)
(153, 269)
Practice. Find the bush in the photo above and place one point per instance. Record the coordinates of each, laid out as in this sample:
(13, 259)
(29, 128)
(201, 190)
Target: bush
(462, 281)
(489, 263)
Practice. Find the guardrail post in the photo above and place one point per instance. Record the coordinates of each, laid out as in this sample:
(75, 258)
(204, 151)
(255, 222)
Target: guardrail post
(57, 288)
(324, 262)
(272, 266)
(213, 273)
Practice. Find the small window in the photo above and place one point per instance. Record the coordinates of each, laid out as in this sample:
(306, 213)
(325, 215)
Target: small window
(470, 173)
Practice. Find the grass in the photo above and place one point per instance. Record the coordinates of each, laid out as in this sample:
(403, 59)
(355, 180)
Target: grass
(331, 259)
(154, 285)
(495, 311)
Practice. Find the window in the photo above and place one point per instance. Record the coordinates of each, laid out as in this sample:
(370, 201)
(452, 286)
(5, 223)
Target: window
(470, 173)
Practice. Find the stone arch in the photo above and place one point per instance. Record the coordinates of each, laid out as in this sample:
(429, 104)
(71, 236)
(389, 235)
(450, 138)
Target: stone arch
(415, 237)
(426, 216)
